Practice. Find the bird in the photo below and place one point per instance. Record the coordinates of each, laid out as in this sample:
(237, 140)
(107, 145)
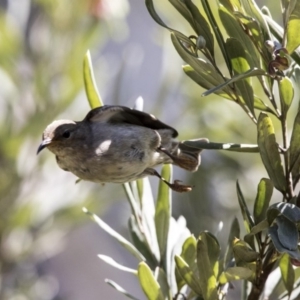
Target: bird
(118, 144)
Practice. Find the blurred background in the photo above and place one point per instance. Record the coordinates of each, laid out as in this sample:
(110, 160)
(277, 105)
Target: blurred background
(48, 246)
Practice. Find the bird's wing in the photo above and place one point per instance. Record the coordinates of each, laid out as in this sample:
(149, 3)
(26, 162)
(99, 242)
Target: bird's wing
(123, 114)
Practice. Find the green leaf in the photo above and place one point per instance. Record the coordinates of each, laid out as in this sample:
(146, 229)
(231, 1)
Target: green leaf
(235, 273)
(188, 254)
(218, 34)
(126, 244)
(248, 219)
(234, 30)
(243, 253)
(90, 83)
(148, 283)
(287, 272)
(210, 77)
(286, 92)
(163, 210)
(263, 197)
(257, 13)
(251, 72)
(208, 281)
(259, 104)
(295, 146)
(157, 19)
(188, 275)
(234, 233)
(113, 263)
(240, 65)
(120, 289)
(292, 35)
(269, 152)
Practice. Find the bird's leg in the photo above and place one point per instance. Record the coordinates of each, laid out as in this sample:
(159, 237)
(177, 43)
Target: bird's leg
(176, 186)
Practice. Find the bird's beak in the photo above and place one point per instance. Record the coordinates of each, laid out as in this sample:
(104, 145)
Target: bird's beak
(43, 145)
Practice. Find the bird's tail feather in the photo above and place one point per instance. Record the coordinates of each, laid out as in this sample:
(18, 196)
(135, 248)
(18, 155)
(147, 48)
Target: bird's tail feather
(184, 156)
(187, 157)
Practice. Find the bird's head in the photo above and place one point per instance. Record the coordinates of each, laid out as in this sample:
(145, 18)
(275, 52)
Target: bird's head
(59, 134)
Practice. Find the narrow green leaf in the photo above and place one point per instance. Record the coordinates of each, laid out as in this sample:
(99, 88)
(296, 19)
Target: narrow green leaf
(203, 82)
(148, 212)
(234, 233)
(148, 283)
(218, 34)
(205, 144)
(138, 239)
(257, 26)
(263, 225)
(248, 219)
(163, 210)
(258, 103)
(162, 280)
(200, 25)
(286, 92)
(251, 72)
(157, 19)
(188, 275)
(235, 273)
(287, 272)
(269, 152)
(119, 289)
(287, 6)
(208, 281)
(135, 209)
(90, 83)
(113, 263)
(262, 201)
(278, 32)
(295, 146)
(240, 65)
(125, 243)
(292, 35)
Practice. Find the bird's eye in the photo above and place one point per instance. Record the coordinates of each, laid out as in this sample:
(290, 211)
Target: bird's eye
(66, 134)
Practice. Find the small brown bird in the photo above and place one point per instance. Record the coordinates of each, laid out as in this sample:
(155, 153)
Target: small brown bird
(118, 144)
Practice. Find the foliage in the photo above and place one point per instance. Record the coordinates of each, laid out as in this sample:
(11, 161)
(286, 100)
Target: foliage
(172, 263)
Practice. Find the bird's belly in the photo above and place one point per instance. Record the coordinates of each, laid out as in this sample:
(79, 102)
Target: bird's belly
(103, 172)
